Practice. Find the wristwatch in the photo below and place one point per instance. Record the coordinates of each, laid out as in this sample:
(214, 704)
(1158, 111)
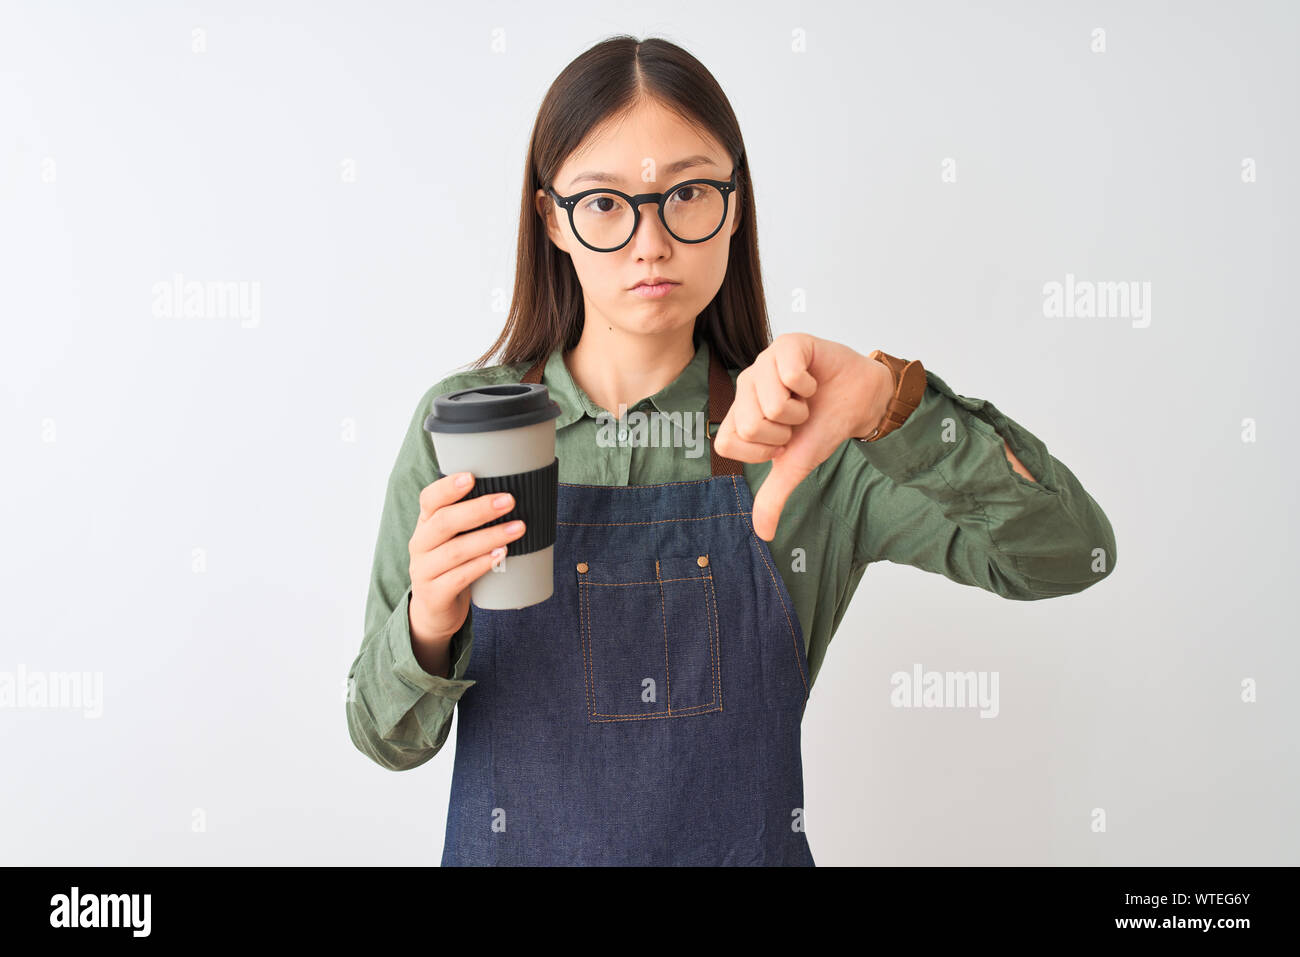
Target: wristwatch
(909, 389)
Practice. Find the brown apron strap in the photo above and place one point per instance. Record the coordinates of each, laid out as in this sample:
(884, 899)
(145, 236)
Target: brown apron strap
(535, 373)
(722, 392)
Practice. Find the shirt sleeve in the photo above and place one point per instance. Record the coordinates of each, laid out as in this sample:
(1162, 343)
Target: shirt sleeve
(398, 714)
(938, 493)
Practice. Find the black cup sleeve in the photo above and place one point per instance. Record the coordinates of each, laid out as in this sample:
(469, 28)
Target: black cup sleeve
(536, 496)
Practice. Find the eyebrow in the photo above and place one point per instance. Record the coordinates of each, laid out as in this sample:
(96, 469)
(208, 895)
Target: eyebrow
(670, 170)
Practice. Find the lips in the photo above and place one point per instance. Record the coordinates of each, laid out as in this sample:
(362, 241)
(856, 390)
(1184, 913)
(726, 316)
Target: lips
(656, 281)
(652, 290)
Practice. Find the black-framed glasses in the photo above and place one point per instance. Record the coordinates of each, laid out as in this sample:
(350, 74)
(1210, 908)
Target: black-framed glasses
(605, 220)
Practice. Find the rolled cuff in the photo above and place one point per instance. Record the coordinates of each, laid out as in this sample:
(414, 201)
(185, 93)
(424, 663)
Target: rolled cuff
(925, 439)
(407, 667)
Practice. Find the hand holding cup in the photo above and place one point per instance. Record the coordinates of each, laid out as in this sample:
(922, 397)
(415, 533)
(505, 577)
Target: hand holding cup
(447, 557)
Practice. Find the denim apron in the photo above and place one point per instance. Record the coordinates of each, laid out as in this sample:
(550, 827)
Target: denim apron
(649, 711)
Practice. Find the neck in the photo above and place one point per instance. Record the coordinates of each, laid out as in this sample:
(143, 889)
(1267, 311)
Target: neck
(618, 368)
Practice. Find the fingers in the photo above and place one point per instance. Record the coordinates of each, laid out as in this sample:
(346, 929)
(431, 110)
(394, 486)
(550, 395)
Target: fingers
(464, 557)
(791, 370)
(443, 492)
(762, 418)
(771, 395)
(750, 421)
(449, 535)
(729, 445)
(446, 556)
(775, 401)
(455, 580)
(452, 517)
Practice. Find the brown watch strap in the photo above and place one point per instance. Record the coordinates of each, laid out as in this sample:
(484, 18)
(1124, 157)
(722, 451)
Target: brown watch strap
(909, 390)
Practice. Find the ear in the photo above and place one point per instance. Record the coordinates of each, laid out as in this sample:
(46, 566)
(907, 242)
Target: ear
(735, 219)
(546, 210)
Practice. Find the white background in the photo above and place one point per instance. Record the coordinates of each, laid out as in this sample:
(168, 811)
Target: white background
(132, 440)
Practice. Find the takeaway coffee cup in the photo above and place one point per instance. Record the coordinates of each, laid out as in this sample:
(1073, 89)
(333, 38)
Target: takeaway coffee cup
(505, 435)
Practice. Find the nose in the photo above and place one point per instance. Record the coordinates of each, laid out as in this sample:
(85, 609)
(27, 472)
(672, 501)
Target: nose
(651, 240)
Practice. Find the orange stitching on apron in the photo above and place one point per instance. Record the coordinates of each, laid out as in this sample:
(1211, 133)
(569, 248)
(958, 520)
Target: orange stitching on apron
(684, 712)
(583, 627)
(663, 618)
(653, 581)
(757, 547)
(713, 705)
(624, 488)
(659, 521)
(717, 652)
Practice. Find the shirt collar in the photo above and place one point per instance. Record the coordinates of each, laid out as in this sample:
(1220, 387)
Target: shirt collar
(689, 392)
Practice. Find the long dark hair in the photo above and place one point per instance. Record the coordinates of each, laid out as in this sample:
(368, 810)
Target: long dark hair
(609, 80)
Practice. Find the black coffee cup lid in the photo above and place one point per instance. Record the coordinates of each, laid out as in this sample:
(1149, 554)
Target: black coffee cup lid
(490, 408)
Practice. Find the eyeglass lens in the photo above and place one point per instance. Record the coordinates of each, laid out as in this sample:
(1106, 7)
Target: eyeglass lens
(692, 212)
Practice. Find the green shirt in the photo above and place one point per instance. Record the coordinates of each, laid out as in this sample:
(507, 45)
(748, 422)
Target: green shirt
(937, 493)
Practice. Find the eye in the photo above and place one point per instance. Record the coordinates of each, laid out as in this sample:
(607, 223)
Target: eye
(601, 204)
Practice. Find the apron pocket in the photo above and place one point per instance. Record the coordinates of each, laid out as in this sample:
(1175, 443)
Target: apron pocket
(649, 637)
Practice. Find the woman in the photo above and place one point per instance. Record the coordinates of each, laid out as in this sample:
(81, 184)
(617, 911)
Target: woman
(649, 711)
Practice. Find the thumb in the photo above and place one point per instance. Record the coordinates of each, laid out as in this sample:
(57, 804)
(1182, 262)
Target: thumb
(782, 479)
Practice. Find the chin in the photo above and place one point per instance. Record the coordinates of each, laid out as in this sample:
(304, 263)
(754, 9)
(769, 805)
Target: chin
(660, 320)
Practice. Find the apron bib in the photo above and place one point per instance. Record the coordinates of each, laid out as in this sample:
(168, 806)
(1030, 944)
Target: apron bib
(648, 712)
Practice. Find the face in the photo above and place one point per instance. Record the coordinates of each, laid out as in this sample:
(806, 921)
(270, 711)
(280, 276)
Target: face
(636, 154)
